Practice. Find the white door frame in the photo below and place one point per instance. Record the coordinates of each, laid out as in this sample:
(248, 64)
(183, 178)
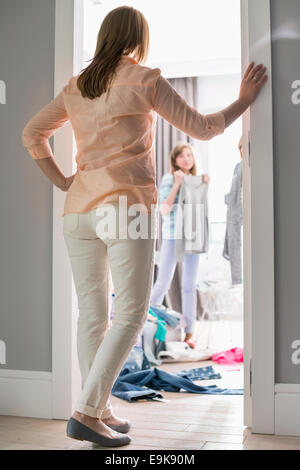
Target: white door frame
(258, 228)
(65, 369)
(259, 286)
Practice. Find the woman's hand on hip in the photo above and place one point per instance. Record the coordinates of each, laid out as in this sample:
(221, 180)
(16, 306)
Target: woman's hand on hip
(68, 182)
(50, 168)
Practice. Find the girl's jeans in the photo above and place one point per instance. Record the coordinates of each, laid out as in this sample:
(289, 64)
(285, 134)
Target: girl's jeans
(167, 265)
(102, 351)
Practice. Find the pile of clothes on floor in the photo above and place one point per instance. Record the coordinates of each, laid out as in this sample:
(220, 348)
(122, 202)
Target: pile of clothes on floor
(160, 341)
(139, 381)
(161, 338)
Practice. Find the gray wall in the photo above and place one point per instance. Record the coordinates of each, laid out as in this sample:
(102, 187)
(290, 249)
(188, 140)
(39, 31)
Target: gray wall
(285, 21)
(27, 68)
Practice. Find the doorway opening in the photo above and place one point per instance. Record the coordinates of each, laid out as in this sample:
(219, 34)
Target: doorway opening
(198, 49)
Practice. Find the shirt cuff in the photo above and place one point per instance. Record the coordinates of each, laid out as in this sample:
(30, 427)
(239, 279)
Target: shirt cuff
(216, 122)
(39, 151)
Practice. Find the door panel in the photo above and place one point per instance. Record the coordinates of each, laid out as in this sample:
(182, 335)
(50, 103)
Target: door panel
(259, 225)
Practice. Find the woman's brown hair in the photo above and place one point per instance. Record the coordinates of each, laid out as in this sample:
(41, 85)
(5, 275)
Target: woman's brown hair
(177, 151)
(123, 31)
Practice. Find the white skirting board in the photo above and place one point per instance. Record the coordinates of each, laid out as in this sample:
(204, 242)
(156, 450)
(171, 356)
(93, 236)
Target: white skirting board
(29, 394)
(26, 393)
(287, 409)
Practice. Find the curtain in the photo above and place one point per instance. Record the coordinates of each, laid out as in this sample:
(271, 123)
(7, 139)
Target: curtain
(167, 136)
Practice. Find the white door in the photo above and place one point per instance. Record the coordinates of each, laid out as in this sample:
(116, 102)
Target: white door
(259, 378)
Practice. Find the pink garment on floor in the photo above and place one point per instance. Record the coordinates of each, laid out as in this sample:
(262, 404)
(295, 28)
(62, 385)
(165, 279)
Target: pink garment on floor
(231, 357)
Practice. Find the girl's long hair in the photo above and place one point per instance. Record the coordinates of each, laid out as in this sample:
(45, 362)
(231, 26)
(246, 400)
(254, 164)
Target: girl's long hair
(177, 151)
(123, 31)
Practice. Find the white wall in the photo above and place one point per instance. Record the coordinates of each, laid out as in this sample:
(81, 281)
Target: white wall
(192, 30)
(221, 153)
(218, 158)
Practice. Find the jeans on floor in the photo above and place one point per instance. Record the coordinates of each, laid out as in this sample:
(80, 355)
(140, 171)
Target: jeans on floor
(138, 380)
(135, 385)
(102, 351)
(167, 265)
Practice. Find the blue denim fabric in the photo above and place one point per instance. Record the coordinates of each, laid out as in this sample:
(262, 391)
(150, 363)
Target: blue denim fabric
(202, 373)
(169, 319)
(160, 380)
(135, 384)
(128, 392)
(136, 360)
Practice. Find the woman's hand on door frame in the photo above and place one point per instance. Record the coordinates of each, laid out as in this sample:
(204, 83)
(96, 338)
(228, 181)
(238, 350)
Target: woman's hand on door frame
(252, 82)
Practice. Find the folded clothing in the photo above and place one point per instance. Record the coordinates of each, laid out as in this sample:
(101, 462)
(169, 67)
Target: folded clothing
(179, 351)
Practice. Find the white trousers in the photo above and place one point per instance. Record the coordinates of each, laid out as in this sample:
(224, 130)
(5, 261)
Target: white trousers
(101, 350)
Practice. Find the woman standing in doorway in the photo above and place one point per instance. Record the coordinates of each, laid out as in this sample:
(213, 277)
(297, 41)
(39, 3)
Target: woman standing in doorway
(112, 106)
(182, 162)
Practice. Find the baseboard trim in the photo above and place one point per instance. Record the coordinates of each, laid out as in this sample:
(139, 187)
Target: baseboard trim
(287, 409)
(26, 393)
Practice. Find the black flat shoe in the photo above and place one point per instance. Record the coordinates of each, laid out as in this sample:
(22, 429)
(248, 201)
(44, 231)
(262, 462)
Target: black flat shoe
(122, 428)
(79, 431)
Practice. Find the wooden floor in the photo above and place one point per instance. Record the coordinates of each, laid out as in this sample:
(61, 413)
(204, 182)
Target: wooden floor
(185, 421)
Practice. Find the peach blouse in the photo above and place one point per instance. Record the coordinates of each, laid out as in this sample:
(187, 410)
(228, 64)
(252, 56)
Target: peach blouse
(115, 135)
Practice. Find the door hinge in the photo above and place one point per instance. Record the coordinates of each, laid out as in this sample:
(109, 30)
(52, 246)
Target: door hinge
(249, 150)
(250, 374)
